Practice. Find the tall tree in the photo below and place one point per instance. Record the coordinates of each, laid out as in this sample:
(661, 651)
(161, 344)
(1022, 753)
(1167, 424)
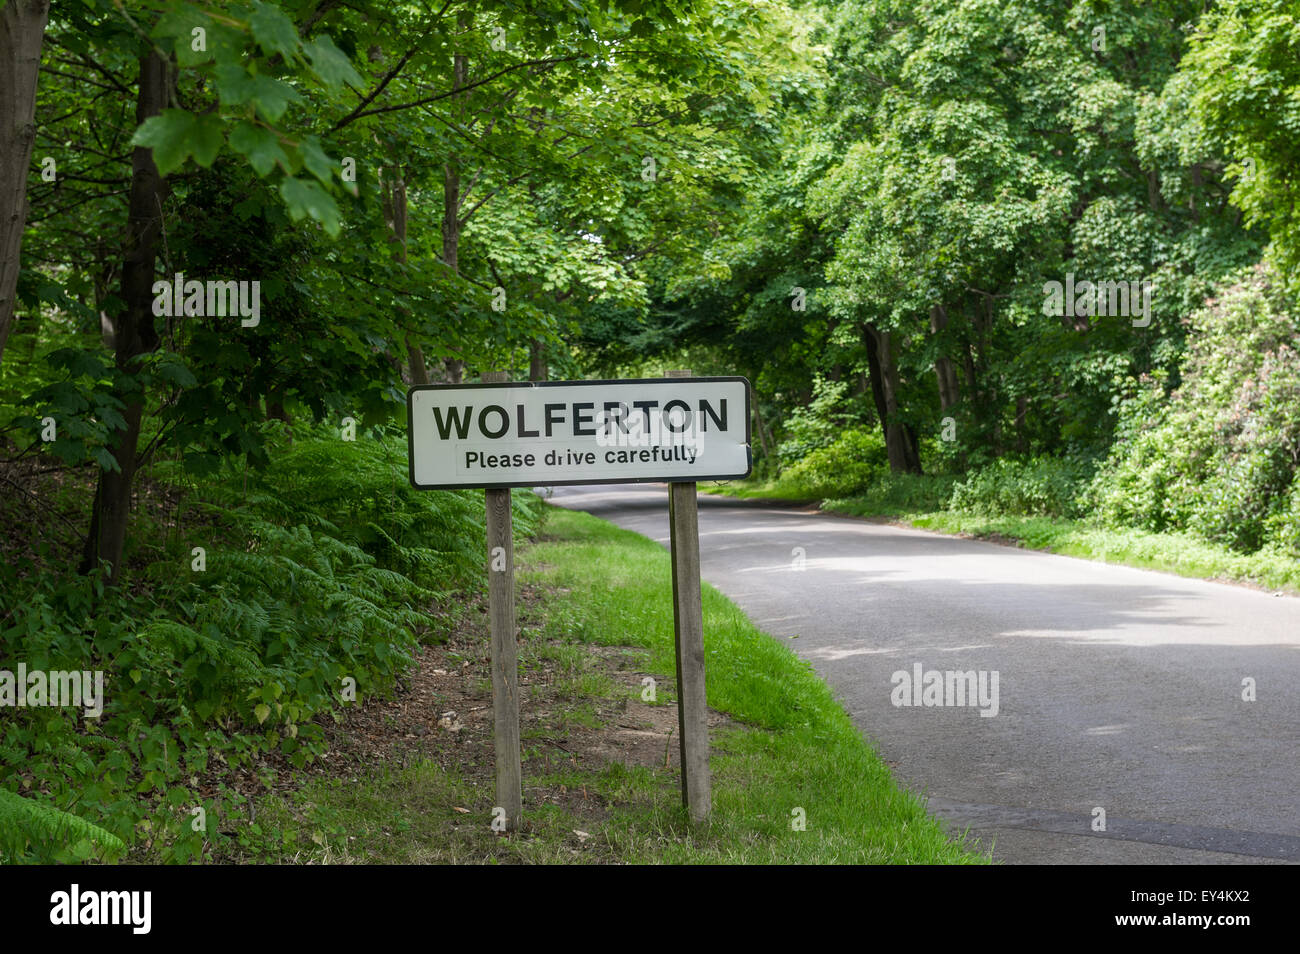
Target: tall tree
(135, 332)
(22, 29)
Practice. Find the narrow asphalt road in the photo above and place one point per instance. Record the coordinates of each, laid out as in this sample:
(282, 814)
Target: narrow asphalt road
(1117, 689)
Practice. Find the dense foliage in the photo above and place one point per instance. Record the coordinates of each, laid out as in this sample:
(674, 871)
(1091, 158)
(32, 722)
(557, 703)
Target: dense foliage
(906, 267)
(304, 599)
(1221, 456)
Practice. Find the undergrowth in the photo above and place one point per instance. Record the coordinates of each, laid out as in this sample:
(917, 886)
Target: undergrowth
(266, 603)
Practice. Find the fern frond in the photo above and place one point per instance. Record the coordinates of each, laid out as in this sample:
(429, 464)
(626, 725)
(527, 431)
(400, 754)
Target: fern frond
(31, 827)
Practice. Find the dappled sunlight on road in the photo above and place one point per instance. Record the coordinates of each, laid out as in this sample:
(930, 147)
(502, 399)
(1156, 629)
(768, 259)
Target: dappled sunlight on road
(1119, 687)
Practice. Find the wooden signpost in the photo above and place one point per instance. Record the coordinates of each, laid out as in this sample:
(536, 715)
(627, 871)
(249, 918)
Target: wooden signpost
(497, 435)
(505, 657)
(688, 633)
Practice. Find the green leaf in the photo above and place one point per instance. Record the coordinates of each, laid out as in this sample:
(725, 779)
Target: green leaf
(32, 821)
(307, 198)
(236, 86)
(273, 96)
(273, 31)
(262, 711)
(171, 369)
(170, 136)
(260, 145)
(330, 64)
(179, 24)
(106, 461)
(207, 138)
(314, 158)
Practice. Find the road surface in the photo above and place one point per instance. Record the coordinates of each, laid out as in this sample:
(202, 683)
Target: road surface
(1117, 689)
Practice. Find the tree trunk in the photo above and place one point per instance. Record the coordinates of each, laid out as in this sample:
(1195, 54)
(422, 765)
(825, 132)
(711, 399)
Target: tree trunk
(395, 213)
(136, 333)
(943, 367)
(22, 30)
(759, 428)
(537, 370)
(275, 409)
(972, 370)
(900, 440)
(105, 272)
(451, 187)
(451, 233)
(418, 368)
(873, 375)
(911, 450)
(982, 323)
(1022, 428)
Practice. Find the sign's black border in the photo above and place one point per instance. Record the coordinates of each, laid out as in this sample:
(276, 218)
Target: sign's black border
(410, 437)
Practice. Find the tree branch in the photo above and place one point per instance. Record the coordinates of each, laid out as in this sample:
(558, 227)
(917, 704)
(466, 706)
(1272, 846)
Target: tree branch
(549, 61)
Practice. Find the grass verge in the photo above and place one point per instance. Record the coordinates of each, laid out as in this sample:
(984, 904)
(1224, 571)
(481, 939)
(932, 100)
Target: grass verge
(783, 749)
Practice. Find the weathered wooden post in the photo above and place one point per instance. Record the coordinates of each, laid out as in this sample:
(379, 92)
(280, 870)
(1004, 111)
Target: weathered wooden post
(688, 628)
(505, 659)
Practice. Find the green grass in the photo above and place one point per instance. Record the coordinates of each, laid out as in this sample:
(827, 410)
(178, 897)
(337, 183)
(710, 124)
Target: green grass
(797, 749)
(757, 488)
(791, 750)
(406, 815)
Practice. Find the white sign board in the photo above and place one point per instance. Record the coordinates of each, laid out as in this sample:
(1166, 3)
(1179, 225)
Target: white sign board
(530, 434)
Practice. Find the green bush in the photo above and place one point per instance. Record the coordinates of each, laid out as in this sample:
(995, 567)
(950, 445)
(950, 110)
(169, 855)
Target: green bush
(1283, 526)
(818, 424)
(1039, 486)
(1218, 457)
(845, 467)
(898, 494)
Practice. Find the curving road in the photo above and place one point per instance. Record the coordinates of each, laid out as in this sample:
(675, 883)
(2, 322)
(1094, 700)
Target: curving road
(1117, 689)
